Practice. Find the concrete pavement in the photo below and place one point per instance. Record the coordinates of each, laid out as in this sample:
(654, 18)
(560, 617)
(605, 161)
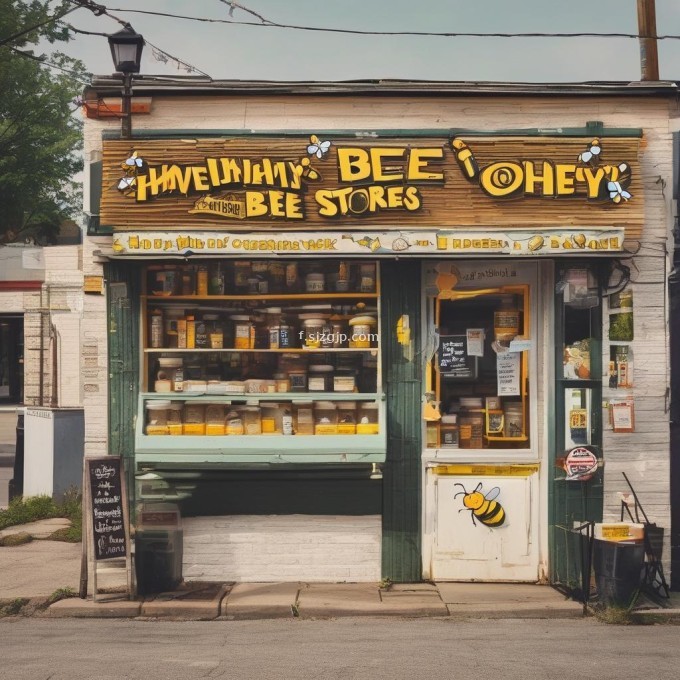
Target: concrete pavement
(38, 569)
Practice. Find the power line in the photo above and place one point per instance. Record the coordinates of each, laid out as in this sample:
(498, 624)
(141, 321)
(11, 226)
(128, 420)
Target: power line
(297, 27)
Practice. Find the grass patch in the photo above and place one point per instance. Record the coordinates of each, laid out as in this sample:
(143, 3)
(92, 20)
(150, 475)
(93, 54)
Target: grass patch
(15, 539)
(13, 607)
(61, 594)
(34, 508)
(615, 616)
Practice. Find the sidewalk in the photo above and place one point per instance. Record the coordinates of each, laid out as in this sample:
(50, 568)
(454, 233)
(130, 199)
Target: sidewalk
(38, 569)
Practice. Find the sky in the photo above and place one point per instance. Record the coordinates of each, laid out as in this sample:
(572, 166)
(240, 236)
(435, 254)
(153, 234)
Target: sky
(260, 53)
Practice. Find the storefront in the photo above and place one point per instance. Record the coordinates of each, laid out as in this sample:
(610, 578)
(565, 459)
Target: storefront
(397, 354)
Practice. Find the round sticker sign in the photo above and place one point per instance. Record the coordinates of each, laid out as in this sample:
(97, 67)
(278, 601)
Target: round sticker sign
(580, 464)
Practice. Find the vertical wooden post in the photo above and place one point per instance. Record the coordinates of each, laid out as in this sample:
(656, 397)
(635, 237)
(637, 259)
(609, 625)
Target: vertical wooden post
(649, 55)
(85, 534)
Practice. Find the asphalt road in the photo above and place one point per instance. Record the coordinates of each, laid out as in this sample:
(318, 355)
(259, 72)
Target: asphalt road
(347, 649)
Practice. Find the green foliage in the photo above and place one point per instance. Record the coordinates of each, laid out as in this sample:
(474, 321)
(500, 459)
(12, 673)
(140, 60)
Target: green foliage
(61, 594)
(621, 326)
(25, 510)
(39, 135)
(13, 607)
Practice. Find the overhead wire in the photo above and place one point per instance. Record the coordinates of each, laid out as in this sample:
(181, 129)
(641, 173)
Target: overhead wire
(50, 20)
(42, 60)
(266, 23)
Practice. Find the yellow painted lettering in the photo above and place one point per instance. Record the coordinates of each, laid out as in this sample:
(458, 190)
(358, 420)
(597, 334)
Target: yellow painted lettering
(256, 205)
(546, 180)
(564, 179)
(593, 178)
(276, 208)
(324, 199)
(376, 198)
(417, 170)
(293, 206)
(353, 164)
(200, 177)
(395, 197)
(382, 174)
(411, 198)
(503, 178)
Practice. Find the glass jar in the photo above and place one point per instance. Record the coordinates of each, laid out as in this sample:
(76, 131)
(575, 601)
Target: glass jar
(157, 417)
(201, 334)
(506, 321)
(368, 418)
(313, 331)
(347, 417)
(320, 378)
(244, 332)
(252, 420)
(342, 281)
(292, 277)
(271, 418)
(194, 419)
(325, 418)
(274, 326)
(361, 331)
(514, 419)
(277, 276)
(156, 329)
(175, 425)
(449, 431)
(215, 331)
(214, 419)
(242, 272)
(287, 337)
(298, 379)
(471, 430)
(282, 382)
(216, 282)
(303, 422)
(315, 282)
(367, 278)
(188, 280)
(172, 316)
(202, 280)
(234, 423)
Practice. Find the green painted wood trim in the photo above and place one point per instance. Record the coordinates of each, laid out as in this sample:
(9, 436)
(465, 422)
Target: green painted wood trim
(568, 501)
(401, 535)
(591, 128)
(123, 293)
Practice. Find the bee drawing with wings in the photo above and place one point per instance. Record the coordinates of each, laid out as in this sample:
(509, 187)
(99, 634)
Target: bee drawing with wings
(482, 506)
(592, 154)
(132, 165)
(318, 148)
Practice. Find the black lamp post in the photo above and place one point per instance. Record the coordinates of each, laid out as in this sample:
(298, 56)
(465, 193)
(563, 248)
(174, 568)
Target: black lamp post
(126, 51)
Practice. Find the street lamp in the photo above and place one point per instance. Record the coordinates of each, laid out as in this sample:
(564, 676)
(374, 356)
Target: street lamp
(126, 50)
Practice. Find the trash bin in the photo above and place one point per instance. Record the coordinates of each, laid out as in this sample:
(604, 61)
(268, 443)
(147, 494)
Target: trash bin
(618, 571)
(16, 484)
(158, 548)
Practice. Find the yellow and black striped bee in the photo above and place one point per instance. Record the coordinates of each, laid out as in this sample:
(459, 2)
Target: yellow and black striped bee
(488, 511)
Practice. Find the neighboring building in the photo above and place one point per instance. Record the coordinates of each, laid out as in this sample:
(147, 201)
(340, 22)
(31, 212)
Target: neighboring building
(494, 255)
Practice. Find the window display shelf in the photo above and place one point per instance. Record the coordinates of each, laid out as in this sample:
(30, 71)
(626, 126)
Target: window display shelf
(202, 397)
(231, 350)
(264, 296)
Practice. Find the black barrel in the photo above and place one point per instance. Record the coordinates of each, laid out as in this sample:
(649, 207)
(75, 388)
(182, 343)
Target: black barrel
(618, 571)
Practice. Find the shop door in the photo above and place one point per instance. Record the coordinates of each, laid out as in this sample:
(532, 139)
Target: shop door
(11, 359)
(483, 457)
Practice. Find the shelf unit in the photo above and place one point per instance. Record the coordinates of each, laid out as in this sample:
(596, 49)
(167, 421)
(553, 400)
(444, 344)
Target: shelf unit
(523, 291)
(261, 449)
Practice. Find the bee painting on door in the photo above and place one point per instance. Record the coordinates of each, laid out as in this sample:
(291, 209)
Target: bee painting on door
(482, 506)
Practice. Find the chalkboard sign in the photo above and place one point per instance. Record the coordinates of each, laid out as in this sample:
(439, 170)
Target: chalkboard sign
(453, 359)
(107, 507)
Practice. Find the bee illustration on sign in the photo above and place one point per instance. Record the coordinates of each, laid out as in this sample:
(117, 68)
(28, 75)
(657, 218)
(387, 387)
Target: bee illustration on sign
(592, 153)
(483, 507)
(317, 147)
(132, 165)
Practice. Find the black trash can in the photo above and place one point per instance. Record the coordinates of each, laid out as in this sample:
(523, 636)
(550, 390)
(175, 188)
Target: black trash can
(618, 571)
(159, 547)
(16, 484)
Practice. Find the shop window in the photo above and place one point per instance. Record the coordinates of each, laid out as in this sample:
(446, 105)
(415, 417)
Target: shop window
(479, 380)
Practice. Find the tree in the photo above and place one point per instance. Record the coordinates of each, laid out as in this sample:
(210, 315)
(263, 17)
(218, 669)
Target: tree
(40, 138)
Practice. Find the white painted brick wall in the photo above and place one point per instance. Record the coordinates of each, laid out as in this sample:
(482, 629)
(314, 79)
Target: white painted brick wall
(266, 548)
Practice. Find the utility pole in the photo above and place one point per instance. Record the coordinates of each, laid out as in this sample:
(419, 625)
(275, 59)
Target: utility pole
(649, 55)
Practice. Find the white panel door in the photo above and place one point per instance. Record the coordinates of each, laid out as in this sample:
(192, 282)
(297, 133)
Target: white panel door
(467, 544)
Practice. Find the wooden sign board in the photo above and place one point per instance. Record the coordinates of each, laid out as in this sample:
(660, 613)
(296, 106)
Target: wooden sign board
(340, 183)
(108, 526)
(453, 360)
